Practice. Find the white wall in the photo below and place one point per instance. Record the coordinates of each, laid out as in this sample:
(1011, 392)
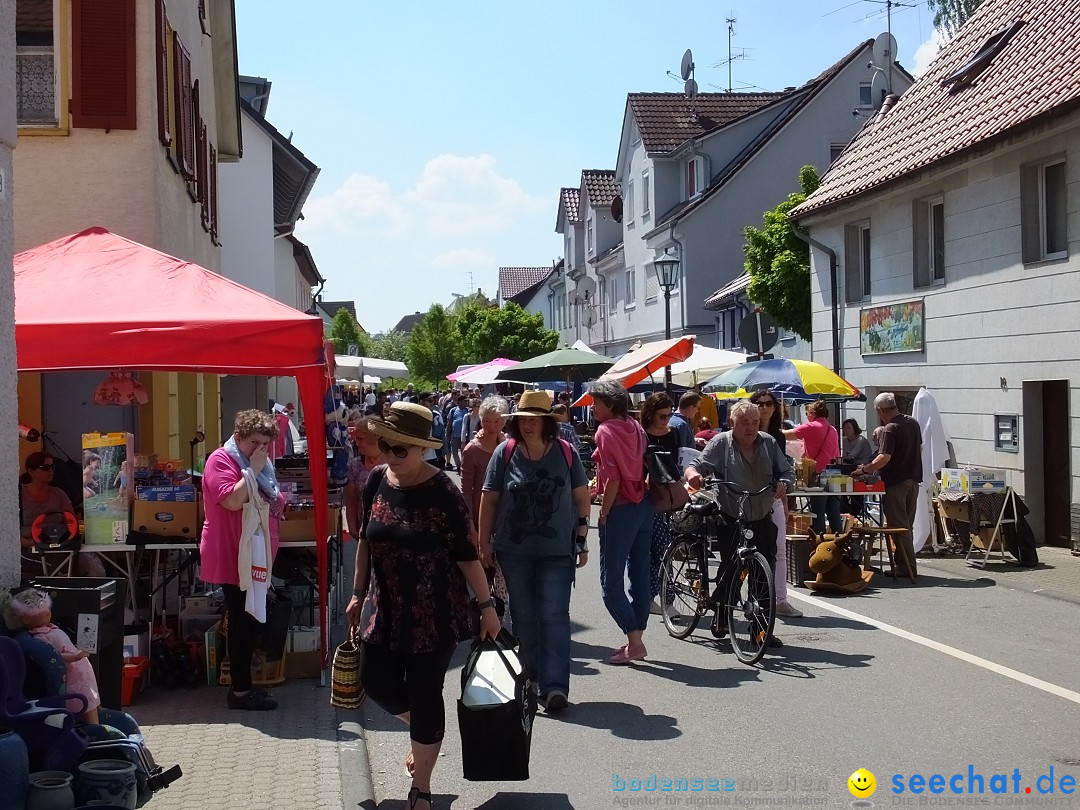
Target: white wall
(246, 191)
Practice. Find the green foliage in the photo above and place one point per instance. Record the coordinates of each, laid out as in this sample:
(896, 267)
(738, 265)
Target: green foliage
(345, 330)
(950, 15)
(389, 346)
(432, 351)
(779, 262)
(486, 333)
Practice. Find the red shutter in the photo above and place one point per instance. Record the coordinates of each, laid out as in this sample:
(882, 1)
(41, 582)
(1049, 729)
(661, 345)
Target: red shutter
(185, 124)
(203, 175)
(202, 16)
(103, 64)
(212, 192)
(161, 52)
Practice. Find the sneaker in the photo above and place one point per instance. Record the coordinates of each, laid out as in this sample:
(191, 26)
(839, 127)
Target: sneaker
(626, 654)
(786, 610)
(654, 608)
(555, 702)
(774, 642)
(252, 701)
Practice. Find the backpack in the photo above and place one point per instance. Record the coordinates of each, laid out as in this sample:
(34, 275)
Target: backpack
(438, 427)
(567, 450)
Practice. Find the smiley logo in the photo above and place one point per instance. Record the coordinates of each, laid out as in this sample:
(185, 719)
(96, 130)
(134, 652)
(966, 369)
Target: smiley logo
(862, 784)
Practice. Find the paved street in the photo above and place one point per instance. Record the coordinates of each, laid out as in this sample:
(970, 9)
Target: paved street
(929, 679)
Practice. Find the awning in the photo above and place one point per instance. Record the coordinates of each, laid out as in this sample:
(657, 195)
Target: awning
(728, 292)
(375, 366)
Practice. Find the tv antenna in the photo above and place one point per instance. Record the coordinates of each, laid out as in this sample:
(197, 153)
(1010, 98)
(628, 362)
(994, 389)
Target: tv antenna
(731, 57)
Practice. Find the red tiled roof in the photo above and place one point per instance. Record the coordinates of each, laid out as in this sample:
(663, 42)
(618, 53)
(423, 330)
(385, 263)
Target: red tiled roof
(1036, 75)
(513, 280)
(600, 186)
(668, 120)
(569, 199)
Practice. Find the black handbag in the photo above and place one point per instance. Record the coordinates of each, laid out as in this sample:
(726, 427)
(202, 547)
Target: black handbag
(666, 492)
(496, 734)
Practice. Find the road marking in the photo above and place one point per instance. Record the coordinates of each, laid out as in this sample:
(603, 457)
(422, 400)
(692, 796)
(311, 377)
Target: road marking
(1020, 677)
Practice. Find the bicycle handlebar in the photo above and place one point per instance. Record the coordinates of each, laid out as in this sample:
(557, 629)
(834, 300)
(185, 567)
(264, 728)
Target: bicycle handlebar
(731, 485)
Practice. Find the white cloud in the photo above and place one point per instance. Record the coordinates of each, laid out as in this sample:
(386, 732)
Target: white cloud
(362, 202)
(462, 257)
(927, 53)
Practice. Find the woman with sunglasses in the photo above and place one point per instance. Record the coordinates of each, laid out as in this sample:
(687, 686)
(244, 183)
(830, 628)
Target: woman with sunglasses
(771, 422)
(663, 442)
(414, 556)
(38, 496)
(368, 457)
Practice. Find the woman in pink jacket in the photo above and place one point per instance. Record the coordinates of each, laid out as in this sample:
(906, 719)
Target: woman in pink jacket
(626, 516)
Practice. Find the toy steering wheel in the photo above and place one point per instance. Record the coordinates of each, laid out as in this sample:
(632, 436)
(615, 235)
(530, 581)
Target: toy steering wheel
(51, 535)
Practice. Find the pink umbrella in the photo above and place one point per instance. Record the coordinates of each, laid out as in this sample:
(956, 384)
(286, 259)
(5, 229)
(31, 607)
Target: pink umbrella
(482, 374)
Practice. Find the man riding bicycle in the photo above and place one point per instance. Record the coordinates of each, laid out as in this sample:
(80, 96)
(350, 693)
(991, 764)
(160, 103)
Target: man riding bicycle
(750, 460)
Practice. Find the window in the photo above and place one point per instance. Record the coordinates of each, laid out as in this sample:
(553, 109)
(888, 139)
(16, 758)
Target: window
(183, 142)
(35, 64)
(589, 236)
(646, 192)
(834, 151)
(103, 64)
(601, 293)
(629, 203)
(1043, 211)
(1007, 432)
(613, 296)
(631, 283)
(857, 261)
(866, 95)
(652, 288)
(692, 184)
(928, 231)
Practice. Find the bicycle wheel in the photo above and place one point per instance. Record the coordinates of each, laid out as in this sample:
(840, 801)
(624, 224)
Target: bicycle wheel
(683, 584)
(751, 608)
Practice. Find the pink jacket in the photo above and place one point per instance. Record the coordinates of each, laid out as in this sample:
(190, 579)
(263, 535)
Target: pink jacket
(820, 441)
(620, 455)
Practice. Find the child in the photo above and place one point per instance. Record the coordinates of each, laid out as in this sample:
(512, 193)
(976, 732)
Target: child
(31, 610)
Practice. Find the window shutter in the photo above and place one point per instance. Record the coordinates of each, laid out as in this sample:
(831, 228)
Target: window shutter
(161, 53)
(853, 291)
(202, 179)
(185, 126)
(920, 231)
(103, 64)
(212, 192)
(202, 16)
(1029, 213)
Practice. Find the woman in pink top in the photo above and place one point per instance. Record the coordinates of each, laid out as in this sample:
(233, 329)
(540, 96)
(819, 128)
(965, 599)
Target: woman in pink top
(225, 491)
(626, 516)
(822, 444)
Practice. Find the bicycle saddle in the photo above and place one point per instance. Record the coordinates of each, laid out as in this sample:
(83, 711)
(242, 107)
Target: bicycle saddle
(702, 506)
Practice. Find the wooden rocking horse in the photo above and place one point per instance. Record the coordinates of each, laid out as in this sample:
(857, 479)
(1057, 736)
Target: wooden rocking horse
(837, 569)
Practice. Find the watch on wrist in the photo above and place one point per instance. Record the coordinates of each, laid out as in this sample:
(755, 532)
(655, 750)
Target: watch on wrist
(490, 603)
(583, 521)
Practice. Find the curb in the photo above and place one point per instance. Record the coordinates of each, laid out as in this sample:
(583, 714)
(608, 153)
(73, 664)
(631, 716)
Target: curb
(357, 789)
(1049, 593)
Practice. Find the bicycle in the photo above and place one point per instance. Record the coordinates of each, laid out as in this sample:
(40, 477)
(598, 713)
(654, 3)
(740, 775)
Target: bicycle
(686, 590)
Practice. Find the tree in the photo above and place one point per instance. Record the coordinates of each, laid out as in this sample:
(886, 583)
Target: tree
(432, 350)
(345, 330)
(486, 333)
(389, 346)
(949, 15)
(779, 262)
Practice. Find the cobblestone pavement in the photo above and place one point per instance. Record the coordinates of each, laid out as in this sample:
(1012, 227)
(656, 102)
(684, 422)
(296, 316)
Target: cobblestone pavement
(1057, 575)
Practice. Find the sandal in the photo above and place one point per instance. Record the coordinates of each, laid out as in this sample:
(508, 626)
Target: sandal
(417, 795)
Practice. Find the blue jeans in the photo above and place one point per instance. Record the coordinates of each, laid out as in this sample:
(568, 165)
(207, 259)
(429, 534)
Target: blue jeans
(625, 543)
(539, 590)
(832, 511)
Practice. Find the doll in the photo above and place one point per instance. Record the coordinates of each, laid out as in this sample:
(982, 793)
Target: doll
(31, 610)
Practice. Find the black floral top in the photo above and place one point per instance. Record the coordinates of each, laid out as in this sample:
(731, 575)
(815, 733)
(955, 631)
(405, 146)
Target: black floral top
(417, 600)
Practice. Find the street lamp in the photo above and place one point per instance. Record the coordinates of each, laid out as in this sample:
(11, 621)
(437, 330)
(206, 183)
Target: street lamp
(667, 269)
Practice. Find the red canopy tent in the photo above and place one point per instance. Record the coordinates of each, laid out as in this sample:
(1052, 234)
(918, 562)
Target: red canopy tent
(97, 300)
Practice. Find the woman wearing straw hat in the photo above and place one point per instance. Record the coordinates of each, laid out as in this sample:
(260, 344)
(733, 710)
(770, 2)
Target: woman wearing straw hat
(414, 557)
(535, 506)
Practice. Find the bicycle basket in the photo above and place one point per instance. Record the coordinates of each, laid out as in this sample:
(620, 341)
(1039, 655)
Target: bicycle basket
(693, 520)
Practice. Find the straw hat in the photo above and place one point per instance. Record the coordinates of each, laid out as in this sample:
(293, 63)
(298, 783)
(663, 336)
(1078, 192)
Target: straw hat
(406, 423)
(534, 403)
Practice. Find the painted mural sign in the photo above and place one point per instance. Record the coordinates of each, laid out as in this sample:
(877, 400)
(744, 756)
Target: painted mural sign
(892, 328)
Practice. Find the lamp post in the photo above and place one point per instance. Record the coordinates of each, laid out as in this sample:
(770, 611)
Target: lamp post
(667, 269)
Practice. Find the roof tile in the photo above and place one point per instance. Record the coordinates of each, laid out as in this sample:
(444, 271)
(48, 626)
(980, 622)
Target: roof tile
(1036, 74)
(600, 186)
(668, 120)
(513, 280)
(569, 198)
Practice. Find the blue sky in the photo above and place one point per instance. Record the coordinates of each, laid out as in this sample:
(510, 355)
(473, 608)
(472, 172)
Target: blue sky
(445, 130)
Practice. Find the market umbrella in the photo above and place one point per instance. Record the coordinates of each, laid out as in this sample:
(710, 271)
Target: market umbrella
(572, 365)
(646, 359)
(704, 364)
(483, 373)
(793, 380)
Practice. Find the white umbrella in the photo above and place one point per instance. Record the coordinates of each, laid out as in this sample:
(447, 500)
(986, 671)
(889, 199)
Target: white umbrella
(935, 454)
(703, 364)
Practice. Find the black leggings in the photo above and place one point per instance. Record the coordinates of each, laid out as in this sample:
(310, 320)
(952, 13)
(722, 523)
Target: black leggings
(408, 682)
(243, 630)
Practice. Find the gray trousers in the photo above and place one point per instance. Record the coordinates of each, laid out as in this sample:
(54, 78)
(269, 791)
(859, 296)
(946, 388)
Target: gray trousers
(899, 503)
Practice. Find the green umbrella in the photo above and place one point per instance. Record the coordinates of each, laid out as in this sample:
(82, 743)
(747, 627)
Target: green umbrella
(572, 365)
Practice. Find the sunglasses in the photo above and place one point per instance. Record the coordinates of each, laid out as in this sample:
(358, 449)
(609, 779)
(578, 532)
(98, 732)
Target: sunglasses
(664, 415)
(399, 451)
(770, 402)
(46, 467)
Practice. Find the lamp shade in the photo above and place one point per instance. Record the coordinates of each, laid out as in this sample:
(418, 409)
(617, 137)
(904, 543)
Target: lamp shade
(667, 269)
(120, 388)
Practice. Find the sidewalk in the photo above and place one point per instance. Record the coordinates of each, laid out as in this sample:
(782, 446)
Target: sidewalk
(1057, 575)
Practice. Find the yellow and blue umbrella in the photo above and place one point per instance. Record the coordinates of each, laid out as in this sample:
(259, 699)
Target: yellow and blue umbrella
(792, 380)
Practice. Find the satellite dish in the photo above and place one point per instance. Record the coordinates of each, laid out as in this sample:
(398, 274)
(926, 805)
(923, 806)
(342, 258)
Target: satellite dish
(687, 67)
(758, 332)
(588, 318)
(616, 208)
(690, 88)
(587, 287)
(884, 50)
(878, 89)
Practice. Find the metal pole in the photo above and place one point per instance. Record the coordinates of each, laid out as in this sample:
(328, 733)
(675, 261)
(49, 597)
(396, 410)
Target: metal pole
(667, 334)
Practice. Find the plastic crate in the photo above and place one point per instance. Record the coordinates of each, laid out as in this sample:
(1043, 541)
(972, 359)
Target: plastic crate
(798, 562)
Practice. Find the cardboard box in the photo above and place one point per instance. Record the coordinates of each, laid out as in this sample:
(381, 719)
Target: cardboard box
(196, 624)
(107, 482)
(839, 483)
(137, 644)
(303, 639)
(303, 665)
(973, 479)
(168, 519)
(179, 494)
(862, 486)
(299, 525)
